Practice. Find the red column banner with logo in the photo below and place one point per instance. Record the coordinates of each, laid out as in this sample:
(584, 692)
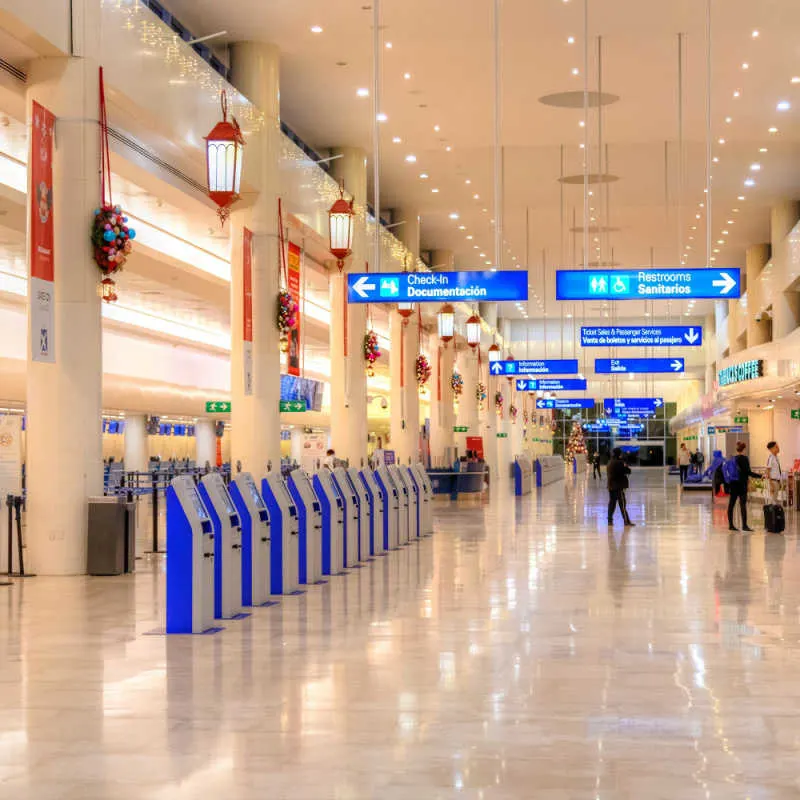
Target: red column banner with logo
(293, 282)
(247, 310)
(41, 293)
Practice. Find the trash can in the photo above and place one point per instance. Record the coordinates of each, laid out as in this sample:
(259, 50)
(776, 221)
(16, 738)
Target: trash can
(112, 536)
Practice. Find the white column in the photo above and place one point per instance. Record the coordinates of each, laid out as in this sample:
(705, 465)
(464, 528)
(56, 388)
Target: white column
(137, 451)
(516, 429)
(785, 305)
(442, 413)
(756, 258)
(255, 418)
(348, 372)
(296, 441)
(206, 444)
(64, 441)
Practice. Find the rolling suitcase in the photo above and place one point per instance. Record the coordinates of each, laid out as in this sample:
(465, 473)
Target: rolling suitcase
(774, 518)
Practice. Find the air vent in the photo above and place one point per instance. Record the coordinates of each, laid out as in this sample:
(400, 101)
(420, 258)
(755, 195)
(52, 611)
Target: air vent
(15, 72)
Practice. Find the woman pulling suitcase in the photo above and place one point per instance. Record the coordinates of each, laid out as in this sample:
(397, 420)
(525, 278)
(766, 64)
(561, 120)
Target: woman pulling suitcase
(738, 480)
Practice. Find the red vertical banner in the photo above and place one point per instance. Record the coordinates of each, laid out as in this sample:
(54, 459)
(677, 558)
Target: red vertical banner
(439, 374)
(41, 291)
(344, 317)
(293, 284)
(247, 310)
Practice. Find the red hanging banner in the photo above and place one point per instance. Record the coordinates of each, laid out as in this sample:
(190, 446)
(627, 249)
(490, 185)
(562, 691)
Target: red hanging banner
(293, 284)
(439, 374)
(247, 309)
(41, 293)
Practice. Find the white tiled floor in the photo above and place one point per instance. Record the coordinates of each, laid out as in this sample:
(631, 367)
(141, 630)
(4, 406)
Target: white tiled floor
(522, 652)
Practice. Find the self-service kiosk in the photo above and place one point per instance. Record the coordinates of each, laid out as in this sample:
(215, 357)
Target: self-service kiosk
(332, 522)
(365, 550)
(352, 515)
(405, 505)
(190, 562)
(309, 513)
(284, 552)
(253, 514)
(392, 508)
(227, 546)
(423, 498)
(414, 529)
(376, 501)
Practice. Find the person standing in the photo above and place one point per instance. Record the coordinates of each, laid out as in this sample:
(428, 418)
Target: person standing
(330, 460)
(684, 460)
(774, 473)
(596, 465)
(738, 488)
(618, 472)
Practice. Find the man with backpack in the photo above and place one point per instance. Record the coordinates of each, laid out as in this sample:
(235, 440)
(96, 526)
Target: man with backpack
(736, 473)
(618, 472)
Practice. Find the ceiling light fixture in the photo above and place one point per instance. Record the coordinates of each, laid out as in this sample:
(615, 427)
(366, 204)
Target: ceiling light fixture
(728, 120)
(755, 34)
(737, 93)
(423, 176)
(435, 191)
(762, 150)
(745, 65)
(437, 128)
(381, 117)
(721, 141)
(407, 76)
(749, 182)
(396, 140)
(388, 45)
(362, 92)
(756, 167)
(576, 71)
(470, 237)
(784, 105)
(411, 158)
(453, 215)
(316, 29)
(570, 40)
(448, 148)
(773, 130)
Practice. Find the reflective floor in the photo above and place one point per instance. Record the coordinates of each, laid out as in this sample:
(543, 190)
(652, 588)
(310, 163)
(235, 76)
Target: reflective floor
(522, 652)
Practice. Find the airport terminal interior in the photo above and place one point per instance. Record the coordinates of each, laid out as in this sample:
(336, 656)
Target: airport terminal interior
(399, 401)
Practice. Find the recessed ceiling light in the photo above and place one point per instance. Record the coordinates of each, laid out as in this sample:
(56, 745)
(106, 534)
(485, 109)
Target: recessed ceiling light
(476, 197)
(423, 176)
(716, 250)
(485, 210)
(715, 159)
(720, 241)
(755, 167)
(475, 247)
(694, 227)
(453, 215)
(448, 148)
(470, 237)
(435, 191)
(755, 34)
(724, 233)
(576, 71)
(749, 182)
(721, 141)
(581, 124)
(411, 158)
(388, 45)
(437, 128)
(731, 222)
(740, 197)
(745, 65)
(570, 40)
(697, 216)
(482, 255)
(713, 258)
(784, 105)
(362, 92)
(691, 238)
(762, 150)
(737, 93)
(773, 130)
(701, 205)
(462, 227)
(396, 140)
(381, 117)
(316, 29)
(728, 120)
(407, 76)
(796, 79)
(487, 262)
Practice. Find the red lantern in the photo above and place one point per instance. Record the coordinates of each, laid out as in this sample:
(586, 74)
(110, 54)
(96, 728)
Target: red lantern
(224, 161)
(446, 319)
(494, 353)
(108, 290)
(405, 310)
(474, 331)
(340, 227)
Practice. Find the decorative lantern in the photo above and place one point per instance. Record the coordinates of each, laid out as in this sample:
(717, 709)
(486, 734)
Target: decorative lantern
(108, 290)
(494, 353)
(474, 331)
(340, 227)
(224, 161)
(447, 322)
(405, 310)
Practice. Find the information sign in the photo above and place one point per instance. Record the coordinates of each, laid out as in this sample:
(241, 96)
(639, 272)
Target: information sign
(639, 336)
(632, 406)
(564, 404)
(563, 366)
(551, 384)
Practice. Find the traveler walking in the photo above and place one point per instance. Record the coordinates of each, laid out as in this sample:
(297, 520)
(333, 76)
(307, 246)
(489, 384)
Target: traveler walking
(596, 465)
(737, 474)
(684, 460)
(618, 472)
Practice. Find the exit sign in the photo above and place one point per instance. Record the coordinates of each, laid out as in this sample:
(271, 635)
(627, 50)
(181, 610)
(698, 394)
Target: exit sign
(744, 420)
(460, 429)
(796, 413)
(502, 436)
(218, 407)
(293, 406)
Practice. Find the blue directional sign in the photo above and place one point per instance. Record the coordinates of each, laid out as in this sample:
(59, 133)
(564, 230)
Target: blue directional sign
(551, 384)
(436, 287)
(562, 366)
(642, 336)
(614, 366)
(632, 406)
(563, 404)
(648, 284)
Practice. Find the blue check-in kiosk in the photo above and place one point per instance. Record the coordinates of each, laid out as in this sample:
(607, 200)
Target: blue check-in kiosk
(392, 505)
(376, 502)
(332, 522)
(523, 475)
(414, 503)
(285, 550)
(190, 559)
(365, 549)
(404, 529)
(253, 514)
(227, 546)
(309, 514)
(424, 498)
(352, 515)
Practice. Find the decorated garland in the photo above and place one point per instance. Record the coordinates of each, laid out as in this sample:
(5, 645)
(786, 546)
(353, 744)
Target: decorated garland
(372, 351)
(512, 413)
(286, 317)
(457, 383)
(112, 238)
(423, 370)
(498, 403)
(480, 394)
(525, 416)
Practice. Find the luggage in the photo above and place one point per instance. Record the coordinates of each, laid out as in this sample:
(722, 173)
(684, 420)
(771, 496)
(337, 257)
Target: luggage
(774, 518)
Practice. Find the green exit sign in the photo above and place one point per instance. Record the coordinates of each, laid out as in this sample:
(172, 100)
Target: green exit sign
(218, 407)
(292, 406)
(741, 420)
(502, 436)
(796, 413)
(460, 429)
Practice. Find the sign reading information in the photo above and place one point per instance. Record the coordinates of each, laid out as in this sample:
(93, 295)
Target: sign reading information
(632, 406)
(665, 336)
(564, 404)
(551, 384)
(738, 373)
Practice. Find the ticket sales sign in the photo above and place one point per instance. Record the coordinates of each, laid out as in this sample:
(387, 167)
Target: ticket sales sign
(642, 336)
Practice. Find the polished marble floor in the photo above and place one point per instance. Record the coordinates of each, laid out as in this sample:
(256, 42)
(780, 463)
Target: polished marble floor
(525, 651)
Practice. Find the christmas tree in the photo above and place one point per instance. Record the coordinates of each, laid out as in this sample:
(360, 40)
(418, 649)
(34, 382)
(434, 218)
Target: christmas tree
(576, 444)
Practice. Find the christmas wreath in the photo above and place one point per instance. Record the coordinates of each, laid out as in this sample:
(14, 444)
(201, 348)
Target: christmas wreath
(372, 351)
(512, 412)
(498, 403)
(480, 394)
(457, 383)
(286, 317)
(112, 238)
(423, 370)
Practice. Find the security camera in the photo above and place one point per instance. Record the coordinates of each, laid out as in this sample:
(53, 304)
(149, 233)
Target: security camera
(384, 403)
(759, 316)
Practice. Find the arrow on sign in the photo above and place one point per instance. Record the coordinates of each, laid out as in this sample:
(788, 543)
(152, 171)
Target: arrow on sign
(362, 286)
(692, 336)
(726, 284)
(658, 402)
(496, 368)
(677, 366)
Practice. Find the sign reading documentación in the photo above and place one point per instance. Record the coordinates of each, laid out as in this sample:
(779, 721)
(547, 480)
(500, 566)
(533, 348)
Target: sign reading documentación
(738, 373)
(437, 287)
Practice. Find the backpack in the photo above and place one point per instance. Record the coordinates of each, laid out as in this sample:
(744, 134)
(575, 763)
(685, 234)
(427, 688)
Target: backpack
(730, 471)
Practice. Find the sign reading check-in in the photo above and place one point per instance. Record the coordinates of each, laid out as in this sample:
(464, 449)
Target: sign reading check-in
(437, 287)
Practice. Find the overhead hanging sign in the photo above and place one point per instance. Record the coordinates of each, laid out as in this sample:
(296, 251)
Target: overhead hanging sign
(632, 406)
(738, 373)
(648, 284)
(437, 287)
(642, 336)
(551, 384)
(564, 404)
(562, 366)
(638, 366)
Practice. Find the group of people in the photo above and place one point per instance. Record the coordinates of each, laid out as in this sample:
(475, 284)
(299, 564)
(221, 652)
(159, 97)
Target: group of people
(687, 459)
(738, 481)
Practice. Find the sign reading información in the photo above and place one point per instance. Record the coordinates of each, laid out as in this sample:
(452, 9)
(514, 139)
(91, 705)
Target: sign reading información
(560, 366)
(551, 384)
(638, 336)
(632, 406)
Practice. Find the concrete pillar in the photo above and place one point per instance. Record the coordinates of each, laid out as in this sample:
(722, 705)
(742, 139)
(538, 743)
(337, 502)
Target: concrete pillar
(206, 446)
(137, 450)
(64, 398)
(296, 442)
(785, 305)
(442, 260)
(349, 323)
(442, 411)
(756, 258)
(255, 416)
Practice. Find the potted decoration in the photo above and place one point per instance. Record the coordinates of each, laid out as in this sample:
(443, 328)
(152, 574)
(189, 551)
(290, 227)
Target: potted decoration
(512, 413)
(286, 317)
(498, 403)
(423, 371)
(457, 384)
(372, 351)
(480, 394)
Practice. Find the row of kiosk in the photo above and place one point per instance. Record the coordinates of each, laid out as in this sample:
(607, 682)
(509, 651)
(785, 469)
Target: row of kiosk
(234, 547)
